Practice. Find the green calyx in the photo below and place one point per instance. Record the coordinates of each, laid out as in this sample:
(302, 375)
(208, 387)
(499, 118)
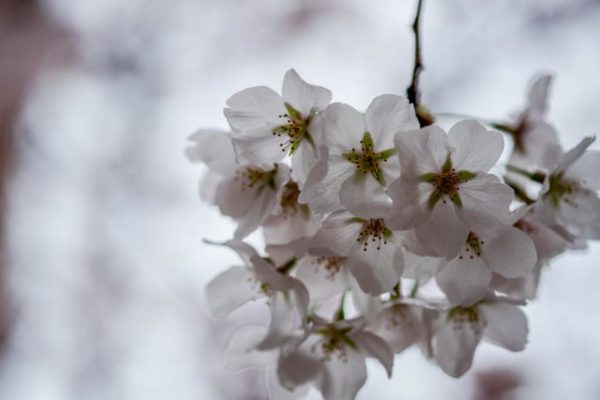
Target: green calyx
(561, 189)
(446, 183)
(295, 129)
(367, 160)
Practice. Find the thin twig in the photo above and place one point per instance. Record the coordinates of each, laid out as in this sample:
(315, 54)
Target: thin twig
(413, 90)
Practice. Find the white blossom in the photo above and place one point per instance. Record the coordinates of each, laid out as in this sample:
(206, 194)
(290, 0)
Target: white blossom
(359, 161)
(269, 126)
(444, 190)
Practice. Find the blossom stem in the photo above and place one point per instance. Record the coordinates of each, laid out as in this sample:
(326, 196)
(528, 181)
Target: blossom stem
(414, 290)
(339, 314)
(537, 176)
(396, 292)
(519, 191)
(287, 267)
(413, 90)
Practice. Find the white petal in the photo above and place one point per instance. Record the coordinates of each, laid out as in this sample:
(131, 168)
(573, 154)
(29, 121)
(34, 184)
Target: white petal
(303, 96)
(485, 203)
(212, 147)
(511, 254)
(303, 161)
(422, 151)
(322, 188)
(443, 232)
(278, 392)
(322, 284)
(574, 154)
(420, 268)
(376, 271)
(262, 207)
(374, 346)
(254, 107)
(241, 352)
(399, 326)
(538, 95)
(283, 321)
(585, 169)
(231, 289)
(581, 217)
(409, 208)
(299, 366)
(341, 380)
(464, 281)
(258, 150)
(455, 346)
(337, 235)
(343, 128)
(475, 148)
(364, 197)
(387, 115)
(506, 325)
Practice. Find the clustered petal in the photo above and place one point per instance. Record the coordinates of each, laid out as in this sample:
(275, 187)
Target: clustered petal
(381, 234)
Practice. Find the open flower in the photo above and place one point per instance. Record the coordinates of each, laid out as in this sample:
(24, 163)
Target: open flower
(569, 196)
(360, 160)
(259, 278)
(460, 329)
(332, 356)
(444, 190)
(466, 279)
(372, 251)
(269, 126)
(248, 193)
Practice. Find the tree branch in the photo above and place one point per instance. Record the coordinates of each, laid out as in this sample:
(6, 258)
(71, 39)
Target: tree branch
(414, 96)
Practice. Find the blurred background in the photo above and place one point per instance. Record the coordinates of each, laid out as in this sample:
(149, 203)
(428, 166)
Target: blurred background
(102, 265)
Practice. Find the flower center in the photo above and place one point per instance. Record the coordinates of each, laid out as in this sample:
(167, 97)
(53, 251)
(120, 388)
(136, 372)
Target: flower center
(335, 342)
(367, 160)
(461, 316)
(294, 129)
(255, 178)
(446, 183)
(332, 265)
(472, 247)
(376, 231)
(563, 190)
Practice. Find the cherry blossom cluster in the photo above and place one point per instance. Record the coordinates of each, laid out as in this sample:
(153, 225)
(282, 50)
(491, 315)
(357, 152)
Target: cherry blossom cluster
(383, 232)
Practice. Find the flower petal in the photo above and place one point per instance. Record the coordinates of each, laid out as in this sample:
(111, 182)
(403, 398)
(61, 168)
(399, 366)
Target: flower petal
(254, 107)
(322, 188)
(258, 149)
(511, 254)
(343, 128)
(409, 207)
(241, 353)
(474, 147)
(486, 203)
(374, 346)
(455, 346)
(212, 147)
(230, 289)
(573, 155)
(364, 197)
(506, 325)
(464, 281)
(303, 96)
(443, 232)
(337, 235)
(387, 115)
(376, 270)
(342, 379)
(422, 151)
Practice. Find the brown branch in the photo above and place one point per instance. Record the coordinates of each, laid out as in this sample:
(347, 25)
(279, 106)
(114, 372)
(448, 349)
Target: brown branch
(414, 96)
(413, 89)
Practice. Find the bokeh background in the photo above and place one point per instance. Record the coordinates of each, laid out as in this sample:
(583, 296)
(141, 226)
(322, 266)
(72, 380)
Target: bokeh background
(102, 260)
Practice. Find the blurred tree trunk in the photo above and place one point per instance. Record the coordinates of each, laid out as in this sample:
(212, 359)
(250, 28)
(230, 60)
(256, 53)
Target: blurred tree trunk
(27, 38)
